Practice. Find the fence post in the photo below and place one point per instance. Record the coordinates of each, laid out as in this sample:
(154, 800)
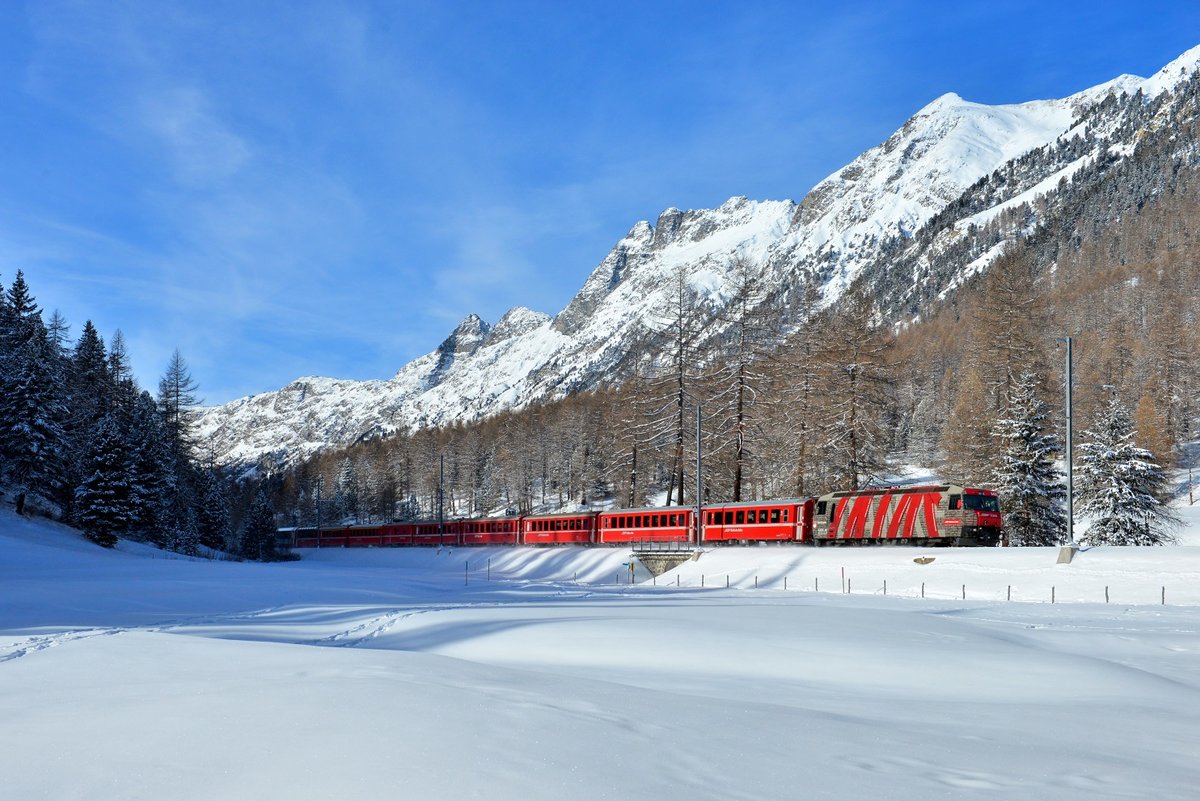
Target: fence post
(785, 582)
(1010, 592)
(885, 586)
(922, 589)
(702, 580)
(847, 586)
(489, 573)
(676, 579)
(1164, 596)
(756, 582)
(466, 567)
(726, 581)
(964, 592)
(1051, 593)
(816, 583)
(1105, 593)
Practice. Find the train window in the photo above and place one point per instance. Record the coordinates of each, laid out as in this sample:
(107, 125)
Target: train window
(739, 517)
(983, 503)
(955, 501)
(820, 508)
(774, 515)
(786, 515)
(675, 520)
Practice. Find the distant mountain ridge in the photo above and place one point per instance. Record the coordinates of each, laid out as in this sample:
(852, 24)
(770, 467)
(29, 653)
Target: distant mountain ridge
(904, 217)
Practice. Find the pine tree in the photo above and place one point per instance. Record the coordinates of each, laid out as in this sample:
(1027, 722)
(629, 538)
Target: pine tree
(152, 469)
(89, 398)
(176, 402)
(966, 438)
(32, 398)
(258, 532)
(739, 379)
(1120, 484)
(213, 512)
(857, 378)
(1026, 478)
(105, 503)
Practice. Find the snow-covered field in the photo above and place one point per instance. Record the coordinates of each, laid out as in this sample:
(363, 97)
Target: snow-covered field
(364, 674)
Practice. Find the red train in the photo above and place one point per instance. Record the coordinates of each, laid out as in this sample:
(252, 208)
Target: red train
(943, 514)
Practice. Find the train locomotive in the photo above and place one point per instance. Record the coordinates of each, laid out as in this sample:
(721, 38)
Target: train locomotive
(934, 514)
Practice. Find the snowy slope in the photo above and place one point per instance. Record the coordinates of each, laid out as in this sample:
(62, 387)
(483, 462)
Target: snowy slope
(373, 674)
(841, 230)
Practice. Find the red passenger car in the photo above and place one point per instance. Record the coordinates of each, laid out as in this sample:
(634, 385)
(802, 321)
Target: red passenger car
(559, 529)
(651, 524)
(759, 521)
(489, 530)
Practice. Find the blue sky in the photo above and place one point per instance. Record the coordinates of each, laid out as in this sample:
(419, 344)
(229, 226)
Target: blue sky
(284, 188)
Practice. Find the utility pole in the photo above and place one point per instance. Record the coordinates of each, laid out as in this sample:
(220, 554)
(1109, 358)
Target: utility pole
(319, 482)
(699, 485)
(1070, 457)
(441, 517)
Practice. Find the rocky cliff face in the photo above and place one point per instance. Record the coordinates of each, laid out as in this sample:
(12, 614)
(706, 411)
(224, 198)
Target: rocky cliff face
(890, 217)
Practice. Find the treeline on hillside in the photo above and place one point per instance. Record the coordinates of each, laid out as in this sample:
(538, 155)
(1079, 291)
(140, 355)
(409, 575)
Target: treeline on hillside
(976, 389)
(81, 441)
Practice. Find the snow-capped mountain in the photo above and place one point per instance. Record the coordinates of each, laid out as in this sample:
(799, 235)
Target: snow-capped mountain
(936, 168)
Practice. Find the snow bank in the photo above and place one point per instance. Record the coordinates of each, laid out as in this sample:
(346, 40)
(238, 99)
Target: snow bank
(408, 674)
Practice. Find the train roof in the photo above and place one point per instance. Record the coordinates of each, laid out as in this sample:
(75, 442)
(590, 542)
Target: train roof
(911, 488)
(545, 515)
(650, 510)
(748, 504)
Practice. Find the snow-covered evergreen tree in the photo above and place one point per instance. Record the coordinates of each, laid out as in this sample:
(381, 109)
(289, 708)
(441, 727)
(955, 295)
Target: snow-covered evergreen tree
(182, 526)
(89, 398)
(1029, 484)
(32, 398)
(346, 495)
(258, 534)
(213, 512)
(152, 467)
(105, 502)
(1120, 485)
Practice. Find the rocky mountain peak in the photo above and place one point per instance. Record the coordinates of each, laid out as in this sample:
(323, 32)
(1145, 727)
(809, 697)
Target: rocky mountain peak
(463, 341)
(515, 322)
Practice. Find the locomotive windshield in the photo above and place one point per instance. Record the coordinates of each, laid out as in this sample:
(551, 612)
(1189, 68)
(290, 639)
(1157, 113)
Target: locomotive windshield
(982, 503)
